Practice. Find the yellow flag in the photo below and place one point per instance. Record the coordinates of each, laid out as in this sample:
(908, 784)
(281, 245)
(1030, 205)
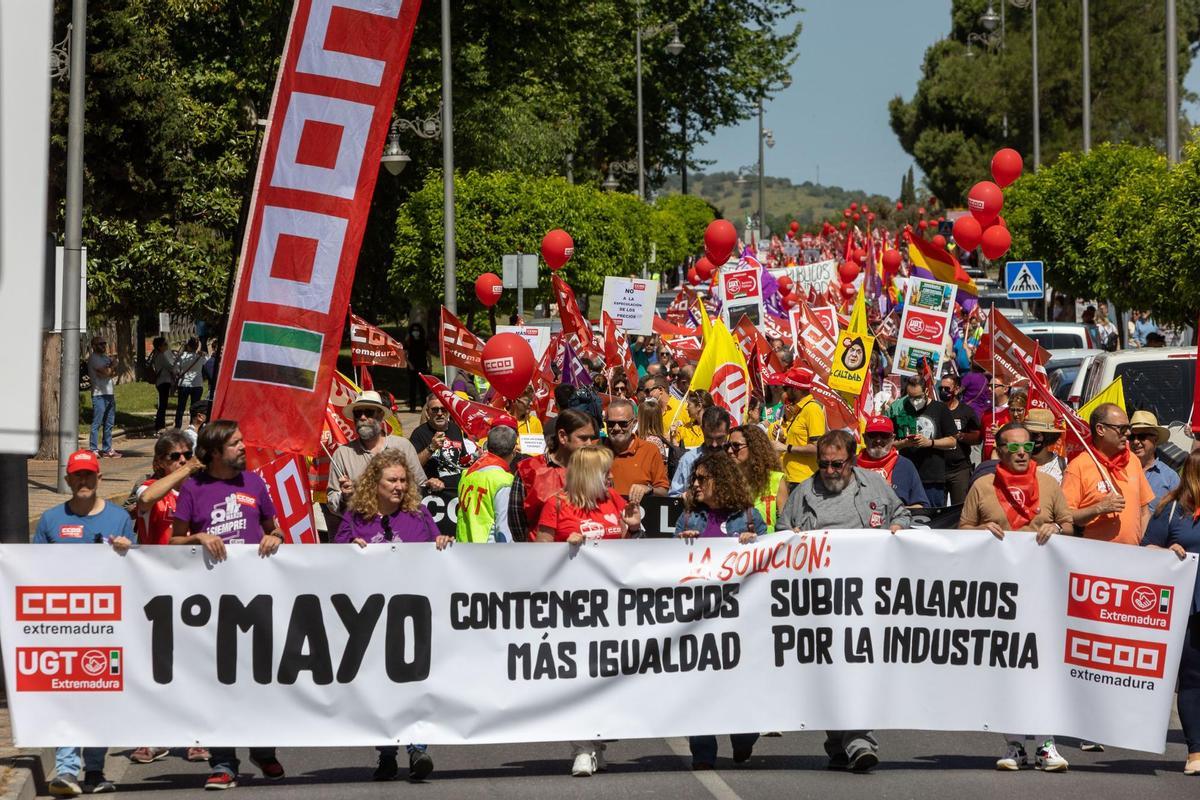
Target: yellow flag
(723, 372)
(852, 358)
(705, 324)
(1113, 393)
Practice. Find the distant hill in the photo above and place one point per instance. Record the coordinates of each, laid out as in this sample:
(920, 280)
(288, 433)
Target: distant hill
(806, 203)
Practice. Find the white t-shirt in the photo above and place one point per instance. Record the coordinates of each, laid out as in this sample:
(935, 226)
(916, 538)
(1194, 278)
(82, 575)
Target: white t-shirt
(189, 367)
(100, 385)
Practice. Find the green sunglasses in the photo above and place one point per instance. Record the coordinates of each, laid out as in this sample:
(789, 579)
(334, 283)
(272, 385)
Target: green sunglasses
(1016, 447)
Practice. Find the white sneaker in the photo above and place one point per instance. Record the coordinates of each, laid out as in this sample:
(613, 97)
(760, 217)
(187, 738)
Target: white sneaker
(1048, 759)
(1014, 759)
(584, 766)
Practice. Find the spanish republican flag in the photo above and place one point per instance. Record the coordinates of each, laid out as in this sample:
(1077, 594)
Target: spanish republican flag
(722, 370)
(939, 265)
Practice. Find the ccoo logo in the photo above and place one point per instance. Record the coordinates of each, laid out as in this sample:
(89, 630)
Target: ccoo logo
(500, 366)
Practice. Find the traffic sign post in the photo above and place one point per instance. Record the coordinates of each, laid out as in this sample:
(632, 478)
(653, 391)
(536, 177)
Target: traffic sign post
(1025, 280)
(519, 272)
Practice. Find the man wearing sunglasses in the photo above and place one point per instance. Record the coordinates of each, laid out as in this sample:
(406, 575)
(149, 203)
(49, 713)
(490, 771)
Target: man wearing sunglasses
(1109, 493)
(351, 459)
(637, 467)
(1019, 497)
(843, 495)
(1144, 438)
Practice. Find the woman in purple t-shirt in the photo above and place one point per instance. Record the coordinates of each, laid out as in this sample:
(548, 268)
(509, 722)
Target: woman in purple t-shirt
(386, 507)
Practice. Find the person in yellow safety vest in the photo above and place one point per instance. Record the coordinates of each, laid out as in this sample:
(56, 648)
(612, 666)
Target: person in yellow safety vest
(485, 486)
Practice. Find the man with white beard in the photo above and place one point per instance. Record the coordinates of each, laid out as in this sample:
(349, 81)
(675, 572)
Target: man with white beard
(880, 455)
(352, 458)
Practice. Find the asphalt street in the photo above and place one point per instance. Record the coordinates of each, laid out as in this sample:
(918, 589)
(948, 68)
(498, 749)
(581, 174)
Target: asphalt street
(916, 764)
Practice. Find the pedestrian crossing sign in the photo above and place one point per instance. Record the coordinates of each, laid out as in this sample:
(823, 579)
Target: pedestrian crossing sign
(1025, 280)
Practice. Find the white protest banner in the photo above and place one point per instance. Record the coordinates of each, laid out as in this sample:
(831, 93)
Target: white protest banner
(531, 444)
(924, 327)
(939, 630)
(537, 336)
(630, 302)
(741, 294)
(814, 276)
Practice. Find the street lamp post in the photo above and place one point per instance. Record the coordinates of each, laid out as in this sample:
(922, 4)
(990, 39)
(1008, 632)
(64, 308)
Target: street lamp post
(674, 47)
(623, 167)
(1087, 82)
(395, 159)
(68, 397)
(448, 173)
(765, 138)
(989, 19)
(1172, 87)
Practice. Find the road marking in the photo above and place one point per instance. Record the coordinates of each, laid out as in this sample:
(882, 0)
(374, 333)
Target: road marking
(708, 778)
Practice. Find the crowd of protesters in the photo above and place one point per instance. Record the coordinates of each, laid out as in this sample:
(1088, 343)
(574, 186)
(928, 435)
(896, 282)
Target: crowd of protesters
(969, 445)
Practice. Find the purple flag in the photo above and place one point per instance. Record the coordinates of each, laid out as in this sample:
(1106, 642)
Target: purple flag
(574, 373)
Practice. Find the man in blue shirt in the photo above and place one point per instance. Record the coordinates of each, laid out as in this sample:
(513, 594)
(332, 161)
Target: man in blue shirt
(715, 425)
(1144, 438)
(880, 455)
(84, 519)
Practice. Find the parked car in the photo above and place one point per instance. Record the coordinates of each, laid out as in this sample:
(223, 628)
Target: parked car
(1057, 336)
(1064, 367)
(1157, 379)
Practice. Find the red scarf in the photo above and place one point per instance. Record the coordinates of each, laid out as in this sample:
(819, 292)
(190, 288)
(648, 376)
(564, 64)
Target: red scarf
(1116, 465)
(1018, 494)
(488, 460)
(883, 466)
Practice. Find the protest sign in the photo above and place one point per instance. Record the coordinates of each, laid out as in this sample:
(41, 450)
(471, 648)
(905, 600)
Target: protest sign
(496, 643)
(814, 277)
(741, 294)
(531, 444)
(924, 326)
(312, 193)
(630, 302)
(537, 336)
(852, 359)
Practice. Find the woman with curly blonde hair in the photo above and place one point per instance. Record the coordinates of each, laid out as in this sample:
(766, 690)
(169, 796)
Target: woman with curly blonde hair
(386, 506)
(751, 448)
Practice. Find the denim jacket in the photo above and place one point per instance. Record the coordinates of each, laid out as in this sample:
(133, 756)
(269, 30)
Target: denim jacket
(740, 522)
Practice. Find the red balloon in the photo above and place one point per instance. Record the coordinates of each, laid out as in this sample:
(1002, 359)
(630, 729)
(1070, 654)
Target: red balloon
(795, 226)
(922, 224)
(995, 242)
(860, 255)
(488, 288)
(967, 231)
(899, 206)
(692, 277)
(854, 206)
(508, 364)
(846, 213)
(856, 215)
(939, 241)
(865, 209)
(848, 271)
(785, 285)
(704, 268)
(871, 217)
(985, 201)
(791, 299)
(842, 225)
(1000, 221)
(1006, 166)
(941, 220)
(557, 248)
(921, 211)
(719, 240)
(849, 290)
(891, 260)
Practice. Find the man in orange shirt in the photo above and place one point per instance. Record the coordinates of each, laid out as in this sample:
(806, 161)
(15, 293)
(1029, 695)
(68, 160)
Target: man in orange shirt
(1113, 516)
(637, 468)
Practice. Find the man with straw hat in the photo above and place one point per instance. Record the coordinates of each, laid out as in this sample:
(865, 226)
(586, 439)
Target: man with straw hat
(1144, 438)
(1045, 434)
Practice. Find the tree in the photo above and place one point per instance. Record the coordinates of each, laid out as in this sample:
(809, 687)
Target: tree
(968, 95)
(504, 212)
(1117, 223)
(908, 191)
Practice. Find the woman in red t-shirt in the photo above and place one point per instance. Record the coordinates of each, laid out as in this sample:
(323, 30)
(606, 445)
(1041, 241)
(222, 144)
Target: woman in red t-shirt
(588, 509)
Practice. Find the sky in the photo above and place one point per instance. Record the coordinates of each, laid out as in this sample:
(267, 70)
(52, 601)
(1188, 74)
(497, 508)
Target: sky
(846, 136)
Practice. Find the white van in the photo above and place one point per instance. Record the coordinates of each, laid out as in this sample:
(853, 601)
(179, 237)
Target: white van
(1157, 379)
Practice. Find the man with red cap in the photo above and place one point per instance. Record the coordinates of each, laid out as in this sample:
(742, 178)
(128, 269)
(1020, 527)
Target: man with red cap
(87, 518)
(803, 424)
(880, 455)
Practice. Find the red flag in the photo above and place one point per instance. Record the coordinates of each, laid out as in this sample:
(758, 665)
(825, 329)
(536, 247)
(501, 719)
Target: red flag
(287, 481)
(365, 380)
(573, 322)
(838, 413)
(543, 383)
(1002, 346)
(677, 311)
(687, 348)
(370, 346)
(616, 350)
(662, 327)
(475, 419)
(927, 376)
(460, 347)
(816, 346)
(779, 327)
